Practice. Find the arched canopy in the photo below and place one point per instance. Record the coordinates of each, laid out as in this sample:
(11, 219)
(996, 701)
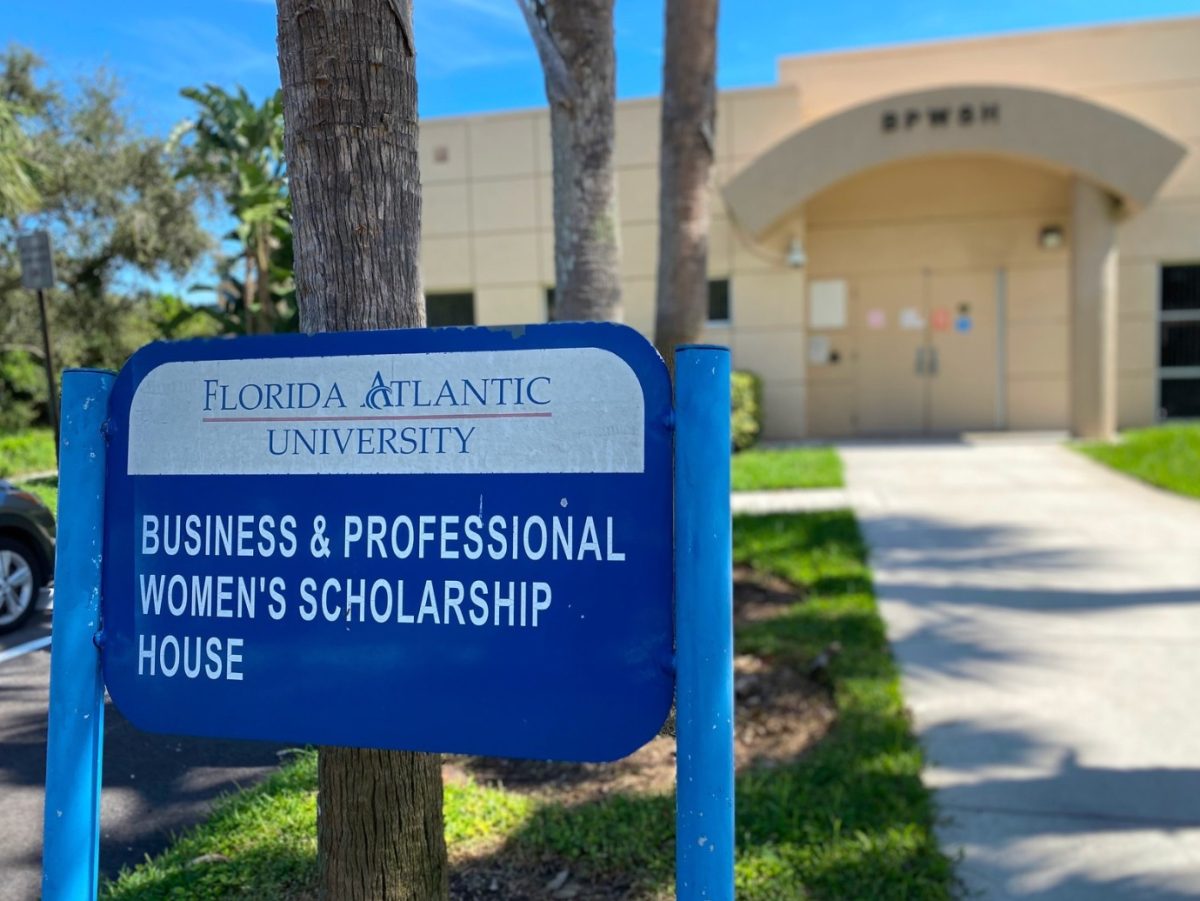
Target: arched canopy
(1120, 154)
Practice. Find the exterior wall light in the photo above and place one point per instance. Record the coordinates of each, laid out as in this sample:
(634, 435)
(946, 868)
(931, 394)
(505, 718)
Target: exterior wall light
(796, 257)
(1050, 237)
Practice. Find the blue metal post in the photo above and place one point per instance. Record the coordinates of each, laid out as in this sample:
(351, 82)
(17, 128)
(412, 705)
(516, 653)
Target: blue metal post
(704, 837)
(71, 847)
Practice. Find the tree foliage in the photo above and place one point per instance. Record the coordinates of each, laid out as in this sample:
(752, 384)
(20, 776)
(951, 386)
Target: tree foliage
(115, 211)
(234, 148)
(18, 173)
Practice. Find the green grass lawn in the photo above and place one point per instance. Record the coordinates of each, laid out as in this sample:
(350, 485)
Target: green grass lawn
(46, 489)
(1167, 456)
(848, 820)
(798, 467)
(30, 450)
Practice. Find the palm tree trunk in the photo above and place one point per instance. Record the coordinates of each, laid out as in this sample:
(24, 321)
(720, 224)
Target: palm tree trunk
(262, 265)
(688, 129)
(574, 39)
(350, 104)
(249, 317)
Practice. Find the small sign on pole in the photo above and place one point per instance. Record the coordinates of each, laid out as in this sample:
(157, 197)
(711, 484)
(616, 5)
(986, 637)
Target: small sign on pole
(454, 540)
(37, 274)
(37, 261)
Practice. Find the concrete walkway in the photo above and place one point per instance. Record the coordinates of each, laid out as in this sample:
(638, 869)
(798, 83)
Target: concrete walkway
(1046, 615)
(800, 500)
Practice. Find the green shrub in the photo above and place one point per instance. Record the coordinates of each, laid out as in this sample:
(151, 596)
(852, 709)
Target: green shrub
(746, 391)
(22, 391)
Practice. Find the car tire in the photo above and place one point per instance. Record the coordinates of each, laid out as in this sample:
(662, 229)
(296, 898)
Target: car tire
(21, 581)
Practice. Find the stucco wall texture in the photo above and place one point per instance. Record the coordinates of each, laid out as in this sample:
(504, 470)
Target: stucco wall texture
(923, 240)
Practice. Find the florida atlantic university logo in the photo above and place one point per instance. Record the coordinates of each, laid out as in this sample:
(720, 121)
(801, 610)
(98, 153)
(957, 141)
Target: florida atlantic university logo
(379, 395)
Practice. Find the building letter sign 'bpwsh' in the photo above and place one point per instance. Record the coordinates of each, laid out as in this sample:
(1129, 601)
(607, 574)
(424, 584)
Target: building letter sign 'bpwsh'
(962, 115)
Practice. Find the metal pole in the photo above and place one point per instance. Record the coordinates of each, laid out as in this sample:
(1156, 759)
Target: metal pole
(704, 836)
(71, 848)
(49, 363)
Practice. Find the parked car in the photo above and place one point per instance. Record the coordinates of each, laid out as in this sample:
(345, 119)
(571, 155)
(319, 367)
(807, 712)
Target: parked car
(26, 554)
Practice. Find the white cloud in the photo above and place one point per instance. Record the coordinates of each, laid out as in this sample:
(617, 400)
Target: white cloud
(458, 35)
(187, 51)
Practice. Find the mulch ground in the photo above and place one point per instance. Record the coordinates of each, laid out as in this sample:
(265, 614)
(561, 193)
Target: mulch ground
(781, 711)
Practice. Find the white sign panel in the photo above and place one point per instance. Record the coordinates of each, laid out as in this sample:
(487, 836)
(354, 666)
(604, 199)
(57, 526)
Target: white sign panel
(912, 319)
(521, 411)
(827, 304)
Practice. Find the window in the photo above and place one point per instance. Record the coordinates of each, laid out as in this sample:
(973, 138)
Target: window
(450, 309)
(1181, 287)
(718, 300)
(1180, 398)
(1179, 342)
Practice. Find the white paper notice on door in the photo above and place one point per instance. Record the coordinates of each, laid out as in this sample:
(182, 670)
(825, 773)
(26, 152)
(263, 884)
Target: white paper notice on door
(911, 319)
(819, 350)
(827, 304)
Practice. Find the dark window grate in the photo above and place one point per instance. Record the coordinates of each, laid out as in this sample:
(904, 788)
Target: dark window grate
(449, 309)
(718, 300)
(1180, 287)
(1179, 344)
(1179, 398)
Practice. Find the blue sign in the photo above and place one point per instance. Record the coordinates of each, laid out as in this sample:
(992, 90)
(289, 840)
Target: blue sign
(453, 540)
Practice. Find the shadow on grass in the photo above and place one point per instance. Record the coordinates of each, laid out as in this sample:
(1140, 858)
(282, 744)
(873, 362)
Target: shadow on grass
(848, 819)
(261, 874)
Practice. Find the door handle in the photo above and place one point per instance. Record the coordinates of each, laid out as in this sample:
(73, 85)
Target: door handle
(933, 361)
(919, 364)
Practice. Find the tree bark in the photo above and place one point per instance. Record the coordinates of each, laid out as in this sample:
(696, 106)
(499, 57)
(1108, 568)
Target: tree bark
(574, 39)
(689, 109)
(380, 835)
(350, 107)
(262, 288)
(350, 113)
(249, 292)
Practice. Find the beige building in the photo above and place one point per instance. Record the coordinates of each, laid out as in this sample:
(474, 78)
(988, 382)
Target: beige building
(997, 233)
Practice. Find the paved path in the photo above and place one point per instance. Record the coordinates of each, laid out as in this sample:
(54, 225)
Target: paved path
(791, 501)
(154, 785)
(1046, 615)
(33, 476)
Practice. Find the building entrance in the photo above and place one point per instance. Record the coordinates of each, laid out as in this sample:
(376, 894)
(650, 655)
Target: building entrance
(929, 351)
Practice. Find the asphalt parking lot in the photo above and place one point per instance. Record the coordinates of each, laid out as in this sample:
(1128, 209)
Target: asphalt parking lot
(154, 785)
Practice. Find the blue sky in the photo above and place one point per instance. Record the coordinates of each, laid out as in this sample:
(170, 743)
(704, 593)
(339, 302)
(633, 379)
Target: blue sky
(474, 55)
